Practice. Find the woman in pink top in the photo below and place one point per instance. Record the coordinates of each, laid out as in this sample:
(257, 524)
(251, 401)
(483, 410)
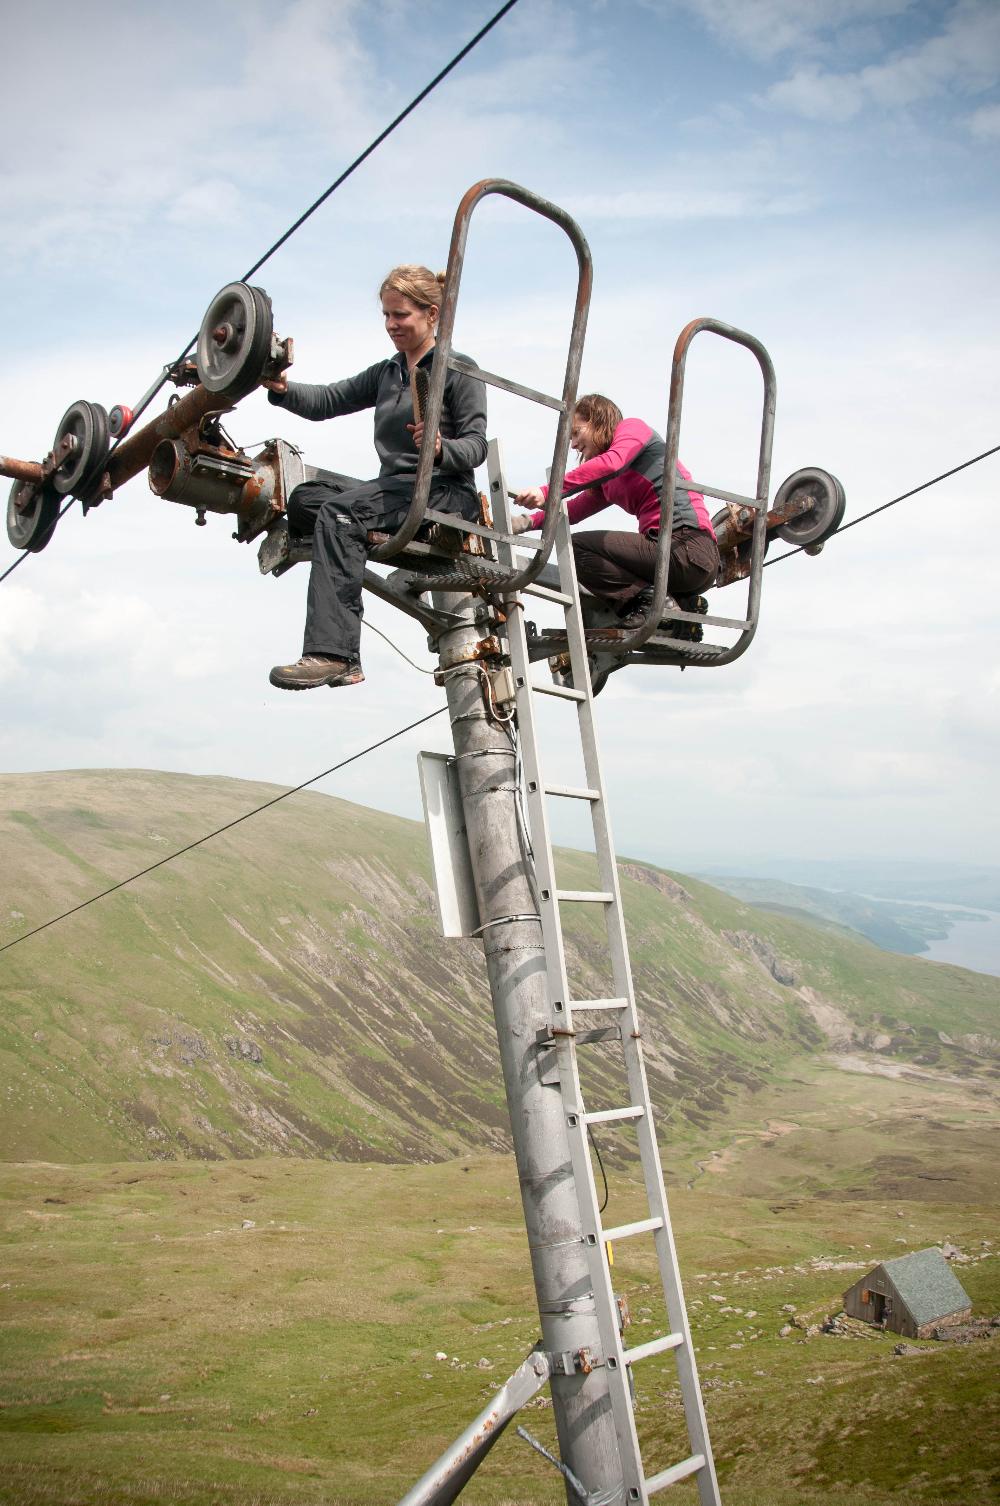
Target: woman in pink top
(623, 464)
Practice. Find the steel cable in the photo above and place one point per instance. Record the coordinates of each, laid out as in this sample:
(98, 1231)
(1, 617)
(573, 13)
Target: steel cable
(885, 505)
(25, 552)
(199, 841)
(418, 99)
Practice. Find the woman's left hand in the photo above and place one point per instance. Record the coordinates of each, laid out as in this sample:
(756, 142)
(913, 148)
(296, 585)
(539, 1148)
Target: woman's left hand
(417, 430)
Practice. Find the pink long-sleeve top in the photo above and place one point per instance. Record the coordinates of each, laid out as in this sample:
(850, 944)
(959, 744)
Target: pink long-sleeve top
(630, 473)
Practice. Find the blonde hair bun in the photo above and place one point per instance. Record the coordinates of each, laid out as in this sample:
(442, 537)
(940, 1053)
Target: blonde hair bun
(419, 284)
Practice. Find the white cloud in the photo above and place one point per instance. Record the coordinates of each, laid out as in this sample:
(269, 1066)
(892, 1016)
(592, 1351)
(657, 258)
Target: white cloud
(961, 59)
(110, 161)
(768, 28)
(139, 639)
(211, 199)
(819, 96)
(985, 122)
(689, 203)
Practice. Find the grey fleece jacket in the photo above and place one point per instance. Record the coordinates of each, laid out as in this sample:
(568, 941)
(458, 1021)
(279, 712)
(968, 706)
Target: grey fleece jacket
(386, 388)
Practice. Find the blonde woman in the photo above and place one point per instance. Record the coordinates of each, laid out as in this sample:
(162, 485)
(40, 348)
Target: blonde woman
(622, 462)
(339, 520)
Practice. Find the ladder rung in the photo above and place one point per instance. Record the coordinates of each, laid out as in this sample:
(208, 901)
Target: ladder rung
(584, 896)
(572, 792)
(643, 1226)
(576, 1004)
(548, 594)
(676, 1472)
(567, 692)
(605, 1116)
(594, 1037)
(655, 1346)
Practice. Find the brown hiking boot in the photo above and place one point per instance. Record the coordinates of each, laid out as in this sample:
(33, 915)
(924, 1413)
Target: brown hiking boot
(316, 669)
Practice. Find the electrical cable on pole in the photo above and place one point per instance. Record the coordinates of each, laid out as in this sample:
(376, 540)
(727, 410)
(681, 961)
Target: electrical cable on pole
(220, 829)
(386, 639)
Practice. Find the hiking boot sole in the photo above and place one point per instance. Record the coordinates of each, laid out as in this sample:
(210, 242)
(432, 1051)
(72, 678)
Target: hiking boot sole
(354, 675)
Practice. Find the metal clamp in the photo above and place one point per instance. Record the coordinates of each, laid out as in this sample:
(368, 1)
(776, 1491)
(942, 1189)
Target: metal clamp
(502, 920)
(473, 653)
(574, 1361)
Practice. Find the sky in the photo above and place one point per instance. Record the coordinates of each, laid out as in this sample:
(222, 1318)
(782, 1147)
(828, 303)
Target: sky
(821, 173)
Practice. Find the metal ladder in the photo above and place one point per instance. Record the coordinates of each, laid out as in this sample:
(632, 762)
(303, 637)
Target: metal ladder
(567, 1041)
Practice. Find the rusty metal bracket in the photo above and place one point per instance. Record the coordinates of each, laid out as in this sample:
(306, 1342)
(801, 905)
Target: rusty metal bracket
(282, 356)
(183, 374)
(574, 1362)
(486, 648)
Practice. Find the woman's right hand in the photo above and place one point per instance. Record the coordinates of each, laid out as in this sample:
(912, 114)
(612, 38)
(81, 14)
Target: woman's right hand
(532, 498)
(277, 384)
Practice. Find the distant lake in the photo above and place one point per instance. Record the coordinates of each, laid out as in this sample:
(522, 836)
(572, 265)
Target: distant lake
(974, 944)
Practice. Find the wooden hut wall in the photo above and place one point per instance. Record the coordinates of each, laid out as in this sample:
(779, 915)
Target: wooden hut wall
(875, 1298)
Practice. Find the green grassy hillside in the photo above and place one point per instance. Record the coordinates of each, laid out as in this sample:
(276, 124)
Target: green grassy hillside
(262, 1332)
(258, 1180)
(285, 990)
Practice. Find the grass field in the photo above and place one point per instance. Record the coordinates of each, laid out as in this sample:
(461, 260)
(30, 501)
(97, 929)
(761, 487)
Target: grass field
(266, 1331)
(256, 1177)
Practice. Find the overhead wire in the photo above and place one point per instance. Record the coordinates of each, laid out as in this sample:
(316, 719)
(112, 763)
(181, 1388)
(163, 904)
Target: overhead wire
(25, 552)
(200, 841)
(418, 99)
(904, 496)
(886, 505)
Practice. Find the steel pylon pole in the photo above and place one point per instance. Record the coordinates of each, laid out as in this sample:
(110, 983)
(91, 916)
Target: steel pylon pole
(515, 962)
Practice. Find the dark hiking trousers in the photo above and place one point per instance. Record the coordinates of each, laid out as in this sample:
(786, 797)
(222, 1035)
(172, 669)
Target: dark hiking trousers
(618, 566)
(339, 521)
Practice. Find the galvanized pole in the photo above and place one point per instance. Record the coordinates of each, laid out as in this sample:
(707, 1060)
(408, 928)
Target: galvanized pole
(515, 962)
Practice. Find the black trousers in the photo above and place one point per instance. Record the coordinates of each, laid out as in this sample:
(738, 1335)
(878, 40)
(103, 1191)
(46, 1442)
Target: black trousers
(339, 521)
(618, 566)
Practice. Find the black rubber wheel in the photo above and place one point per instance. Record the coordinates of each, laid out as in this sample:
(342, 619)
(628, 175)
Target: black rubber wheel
(88, 423)
(234, 342)
(33, 528)
(824, 516)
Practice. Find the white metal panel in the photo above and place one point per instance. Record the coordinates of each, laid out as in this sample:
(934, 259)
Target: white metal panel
(454, 888)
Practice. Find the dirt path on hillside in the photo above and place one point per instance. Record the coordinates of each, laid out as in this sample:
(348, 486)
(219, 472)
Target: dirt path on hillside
(718, 1162)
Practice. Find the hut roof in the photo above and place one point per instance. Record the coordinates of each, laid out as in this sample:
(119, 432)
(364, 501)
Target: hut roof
(927, 1285)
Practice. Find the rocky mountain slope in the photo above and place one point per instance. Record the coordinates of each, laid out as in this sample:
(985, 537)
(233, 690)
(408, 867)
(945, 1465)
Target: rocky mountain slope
(285, 989)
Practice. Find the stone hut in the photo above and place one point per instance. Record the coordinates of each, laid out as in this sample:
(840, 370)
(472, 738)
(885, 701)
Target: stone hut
(912, 1295)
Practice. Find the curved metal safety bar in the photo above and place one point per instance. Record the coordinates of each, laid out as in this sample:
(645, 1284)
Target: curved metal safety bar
(758, 503)
(443, 361)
